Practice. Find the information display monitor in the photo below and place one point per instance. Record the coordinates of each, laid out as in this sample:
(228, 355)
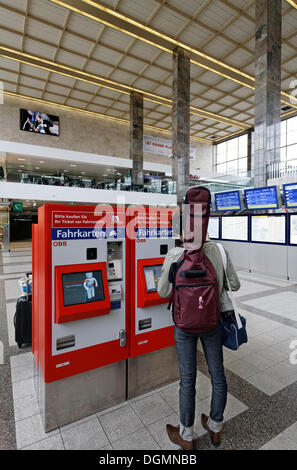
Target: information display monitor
(235, 228)
(261, 198)
(293, 229)
(290, 195)
(228, 201)
(269, 229)
(213, 227)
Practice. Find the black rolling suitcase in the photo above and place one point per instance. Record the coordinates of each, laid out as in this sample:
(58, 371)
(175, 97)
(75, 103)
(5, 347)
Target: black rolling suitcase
(23, 318)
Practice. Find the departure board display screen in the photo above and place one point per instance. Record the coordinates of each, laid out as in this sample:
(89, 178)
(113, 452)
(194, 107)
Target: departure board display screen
(213, 227)
(235, 228)
(261, 198)
(269, 229)
(290, 195)
(228, 201)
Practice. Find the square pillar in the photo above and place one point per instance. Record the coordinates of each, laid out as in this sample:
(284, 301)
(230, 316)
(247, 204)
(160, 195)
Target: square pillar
(181, 122)
(136, 137)
(267, 87)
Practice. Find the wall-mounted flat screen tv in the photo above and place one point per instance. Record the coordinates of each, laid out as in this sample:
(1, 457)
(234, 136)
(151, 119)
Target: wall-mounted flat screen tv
(39, 123)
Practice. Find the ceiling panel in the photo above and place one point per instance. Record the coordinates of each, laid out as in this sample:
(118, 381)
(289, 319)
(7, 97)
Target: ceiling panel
(223, 29)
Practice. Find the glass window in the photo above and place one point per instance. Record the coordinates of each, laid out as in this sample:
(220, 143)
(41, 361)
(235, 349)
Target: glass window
(221, 168)
(221, 148)
(291, 152)
(221, 157)
(283, 154)
(242, 165)
(232, 149)
(228, 154)
(232, 167)
(292, 131)
(283, 133)
(243, 146)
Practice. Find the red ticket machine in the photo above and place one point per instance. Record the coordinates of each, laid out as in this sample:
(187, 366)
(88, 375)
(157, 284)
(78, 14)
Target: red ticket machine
(152, 352)
(80, 310)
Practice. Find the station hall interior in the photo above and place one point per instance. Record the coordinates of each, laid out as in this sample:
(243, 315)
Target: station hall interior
(106, 106)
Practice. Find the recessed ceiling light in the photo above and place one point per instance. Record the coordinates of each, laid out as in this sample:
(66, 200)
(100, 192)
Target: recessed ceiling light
(65, 170)
(41, 161)
(21, 166)
(22, 159)
(82, 172)
(37, 167)
(72, 164)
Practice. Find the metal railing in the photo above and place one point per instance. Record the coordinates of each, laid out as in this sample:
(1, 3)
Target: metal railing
(280, 169)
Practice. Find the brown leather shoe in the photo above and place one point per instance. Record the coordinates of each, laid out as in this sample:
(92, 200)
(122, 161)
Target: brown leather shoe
(175, 437)
(214, 436)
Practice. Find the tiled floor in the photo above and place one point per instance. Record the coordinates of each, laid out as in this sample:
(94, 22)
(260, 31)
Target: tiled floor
(261, 410)
(136, 424)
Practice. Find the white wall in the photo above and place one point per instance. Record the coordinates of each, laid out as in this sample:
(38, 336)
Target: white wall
(86, 134)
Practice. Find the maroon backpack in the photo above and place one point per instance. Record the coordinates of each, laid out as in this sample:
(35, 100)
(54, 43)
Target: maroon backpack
(195, 292)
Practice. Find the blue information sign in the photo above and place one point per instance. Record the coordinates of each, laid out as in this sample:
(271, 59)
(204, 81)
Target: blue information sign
(228, 201)
(290, 195)
(261, 198)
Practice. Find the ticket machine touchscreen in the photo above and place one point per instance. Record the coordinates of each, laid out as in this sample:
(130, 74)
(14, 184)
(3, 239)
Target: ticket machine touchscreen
(152, 276)
(82, 287)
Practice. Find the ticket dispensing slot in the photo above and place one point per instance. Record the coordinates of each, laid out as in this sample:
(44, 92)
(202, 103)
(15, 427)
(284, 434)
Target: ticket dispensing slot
(81, 292)
(114, 261)
(148, 275)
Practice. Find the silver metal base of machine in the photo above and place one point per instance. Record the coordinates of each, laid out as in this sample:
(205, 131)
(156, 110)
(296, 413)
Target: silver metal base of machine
(68, 400)
(153, 370)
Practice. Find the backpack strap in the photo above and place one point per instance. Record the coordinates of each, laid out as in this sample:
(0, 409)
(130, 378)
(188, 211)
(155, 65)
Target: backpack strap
(230, 293)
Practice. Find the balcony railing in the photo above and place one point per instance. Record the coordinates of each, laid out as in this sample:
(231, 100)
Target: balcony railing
(280, 169)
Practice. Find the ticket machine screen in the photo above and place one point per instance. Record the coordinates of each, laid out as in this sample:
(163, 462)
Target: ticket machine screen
(82, 287)
(152, 276)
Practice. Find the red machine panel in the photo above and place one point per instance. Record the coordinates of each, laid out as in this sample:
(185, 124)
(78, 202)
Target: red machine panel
(150, 238)
(148, 273)
(70, 240)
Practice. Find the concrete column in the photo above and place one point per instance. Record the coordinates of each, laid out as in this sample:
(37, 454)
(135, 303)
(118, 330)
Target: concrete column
(181, 122)
(268, 87)
(136, 137)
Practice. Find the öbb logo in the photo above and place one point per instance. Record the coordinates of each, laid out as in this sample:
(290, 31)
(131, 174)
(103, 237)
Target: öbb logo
(59, 243)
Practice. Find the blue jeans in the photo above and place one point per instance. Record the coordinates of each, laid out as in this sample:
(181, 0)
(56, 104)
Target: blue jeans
(186, 346)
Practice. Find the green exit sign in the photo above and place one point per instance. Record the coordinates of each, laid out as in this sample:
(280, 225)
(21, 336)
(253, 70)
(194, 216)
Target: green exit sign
(17, 206)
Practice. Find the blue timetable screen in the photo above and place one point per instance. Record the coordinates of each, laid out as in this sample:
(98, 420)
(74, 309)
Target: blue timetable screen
(228, 201)
(261, 198)
(290, 195)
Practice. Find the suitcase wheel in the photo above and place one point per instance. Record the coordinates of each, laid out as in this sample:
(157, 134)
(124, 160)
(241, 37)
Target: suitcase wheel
(20, 345)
